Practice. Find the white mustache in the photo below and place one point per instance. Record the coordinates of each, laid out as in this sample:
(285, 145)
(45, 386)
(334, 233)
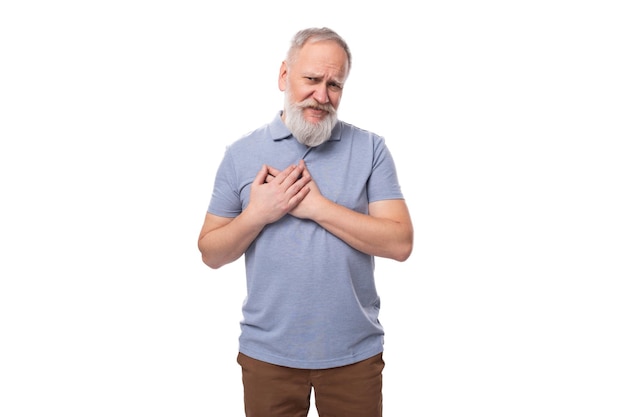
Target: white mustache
(313, 104)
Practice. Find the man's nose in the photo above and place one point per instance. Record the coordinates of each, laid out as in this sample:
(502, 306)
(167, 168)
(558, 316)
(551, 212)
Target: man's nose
(321, 94)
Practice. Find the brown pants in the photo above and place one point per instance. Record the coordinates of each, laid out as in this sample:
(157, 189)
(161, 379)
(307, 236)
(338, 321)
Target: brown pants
(347, 391)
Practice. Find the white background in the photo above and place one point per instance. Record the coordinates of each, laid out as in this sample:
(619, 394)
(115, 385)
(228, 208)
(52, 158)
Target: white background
(507, 122)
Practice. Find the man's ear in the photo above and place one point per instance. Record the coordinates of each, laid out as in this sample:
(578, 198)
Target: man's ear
(282, 77)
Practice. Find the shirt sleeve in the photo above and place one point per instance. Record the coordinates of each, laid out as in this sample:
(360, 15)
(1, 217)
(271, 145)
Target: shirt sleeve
(225, 199)
(383, 183)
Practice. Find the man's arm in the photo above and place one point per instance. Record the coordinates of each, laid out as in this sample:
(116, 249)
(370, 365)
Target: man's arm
(387, 230)
(223, 240)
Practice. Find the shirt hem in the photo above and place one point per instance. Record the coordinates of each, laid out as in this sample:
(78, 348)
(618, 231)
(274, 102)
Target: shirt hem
(299, 364)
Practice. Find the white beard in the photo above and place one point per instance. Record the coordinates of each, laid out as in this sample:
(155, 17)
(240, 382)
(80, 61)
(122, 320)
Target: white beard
(307, 133)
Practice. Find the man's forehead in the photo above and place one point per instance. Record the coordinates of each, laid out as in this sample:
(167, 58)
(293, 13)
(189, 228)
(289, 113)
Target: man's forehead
(321, 56)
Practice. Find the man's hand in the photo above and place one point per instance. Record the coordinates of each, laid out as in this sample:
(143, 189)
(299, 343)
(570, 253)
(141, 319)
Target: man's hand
(275, 193)
(311, 201)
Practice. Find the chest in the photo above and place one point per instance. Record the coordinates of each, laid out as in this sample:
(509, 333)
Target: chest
(340, 171)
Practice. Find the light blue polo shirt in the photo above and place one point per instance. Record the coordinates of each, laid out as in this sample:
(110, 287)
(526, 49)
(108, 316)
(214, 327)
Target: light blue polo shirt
(311, 299)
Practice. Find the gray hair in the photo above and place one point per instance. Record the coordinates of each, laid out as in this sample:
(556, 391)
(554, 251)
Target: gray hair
(316, 35)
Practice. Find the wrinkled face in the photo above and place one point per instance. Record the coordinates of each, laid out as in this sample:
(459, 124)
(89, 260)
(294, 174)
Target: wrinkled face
(315, 78)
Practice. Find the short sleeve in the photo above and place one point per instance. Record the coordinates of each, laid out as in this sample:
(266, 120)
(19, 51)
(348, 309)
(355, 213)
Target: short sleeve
(383, 183)
(225, 199)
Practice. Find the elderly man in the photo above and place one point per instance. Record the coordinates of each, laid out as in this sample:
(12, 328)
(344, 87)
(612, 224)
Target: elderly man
(311, 201)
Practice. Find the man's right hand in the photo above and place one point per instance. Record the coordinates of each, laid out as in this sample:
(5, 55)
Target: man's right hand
(274, 193)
